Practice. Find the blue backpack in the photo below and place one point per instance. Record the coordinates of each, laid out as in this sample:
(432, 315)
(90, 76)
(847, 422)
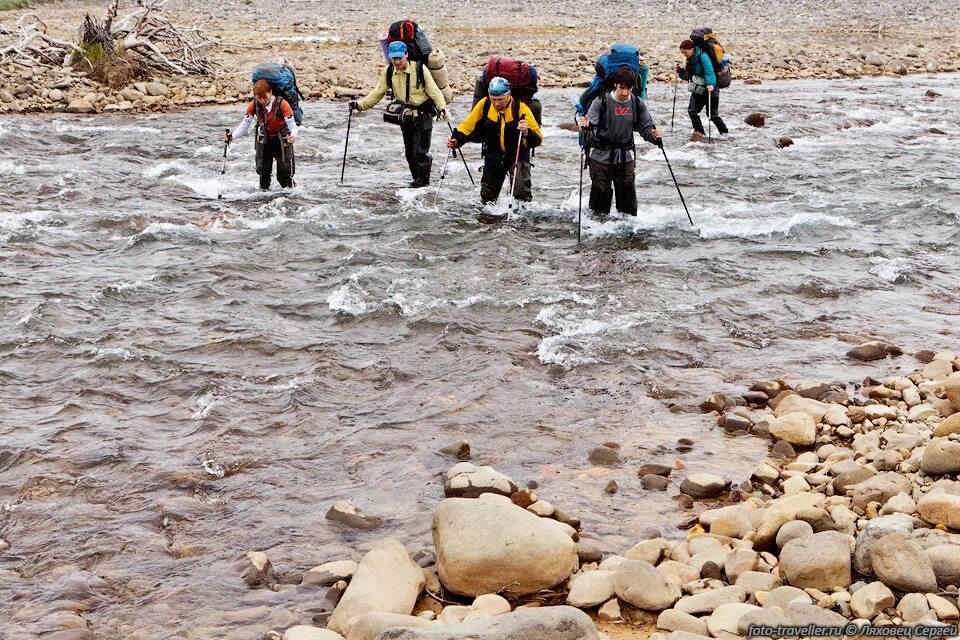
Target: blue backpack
(621, 55)
(284, 84)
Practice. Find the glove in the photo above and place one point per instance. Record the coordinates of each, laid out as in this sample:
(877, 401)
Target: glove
(228, 136)
(354, 106)
(659, 142)
(442, 114)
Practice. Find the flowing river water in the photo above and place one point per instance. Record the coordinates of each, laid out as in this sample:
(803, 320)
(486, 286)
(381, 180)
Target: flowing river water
(183, 378)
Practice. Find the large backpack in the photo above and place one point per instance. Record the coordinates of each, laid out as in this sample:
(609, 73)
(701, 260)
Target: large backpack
(706, 40)
(521, 76)
(283, 82)
(621, 55)
(420, 51)
(409, 33)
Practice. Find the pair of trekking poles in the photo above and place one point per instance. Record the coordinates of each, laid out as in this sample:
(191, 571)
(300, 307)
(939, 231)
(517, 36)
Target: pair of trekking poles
(583, 162)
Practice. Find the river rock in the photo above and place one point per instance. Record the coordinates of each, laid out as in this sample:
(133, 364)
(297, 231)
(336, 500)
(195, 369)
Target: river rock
(755, 120)
(673, 620)
(944, 609)
(941, 456)
(80, 105)
(652, 482)
(681, 571)
(879, 488)
(802, 506)
(900, 563)
(792, 531)
(466, 480)
(873, 531)
(489, 544)
(914, 607)
(610, 611)
(726, 618)
(940, 508)
(604, 457)
(707, 601)
(55, 95)
(370, 625)
(783, 142)
(937, 369)
(803, 614)
(590, 589)
(949, 425)
(540, 623)
(704, 485)
(871, 600)
(945, 560)
(798, 404)
(307, 632)
(255, 568)
(347, 514)
(654, 468)
(796, 428)
(327, 574)
(386, 580)
(820, 561)
(868, 352)
(73, 634)
(156, 89)
(459, 448)
(651, 551)
(782, 597)
(640, 584)
(753, 581)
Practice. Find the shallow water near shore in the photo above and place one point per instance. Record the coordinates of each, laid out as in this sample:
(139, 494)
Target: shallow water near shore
(186, 378)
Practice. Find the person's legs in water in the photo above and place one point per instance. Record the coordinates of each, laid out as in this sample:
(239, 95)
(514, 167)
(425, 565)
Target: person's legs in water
(409, 131)
(491, 181)
(266, 152)
(697, 102)
(523, 189)
(601, 192)
(715, 112)
(625, 188)
(423, 159)
(285, 164)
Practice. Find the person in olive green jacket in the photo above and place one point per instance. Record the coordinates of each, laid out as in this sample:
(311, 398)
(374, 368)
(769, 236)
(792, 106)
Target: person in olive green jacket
(420, 100)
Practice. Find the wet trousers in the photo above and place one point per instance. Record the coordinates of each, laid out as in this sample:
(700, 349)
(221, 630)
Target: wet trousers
(416, 147)
(270, 149)
(496, 170)
(607, 180)
(698, 100)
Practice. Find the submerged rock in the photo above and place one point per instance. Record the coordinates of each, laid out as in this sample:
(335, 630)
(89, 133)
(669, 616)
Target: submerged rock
(756, 120)
(347, 514)
(541, 623)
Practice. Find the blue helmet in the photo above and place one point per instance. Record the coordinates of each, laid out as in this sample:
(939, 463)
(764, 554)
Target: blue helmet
(498, 87)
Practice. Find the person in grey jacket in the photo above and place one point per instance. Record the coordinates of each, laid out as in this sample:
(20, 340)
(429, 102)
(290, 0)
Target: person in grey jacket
(610, 123)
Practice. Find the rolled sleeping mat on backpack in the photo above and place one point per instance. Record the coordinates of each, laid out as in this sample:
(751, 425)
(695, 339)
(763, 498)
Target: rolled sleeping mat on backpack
(447, 94)
(384, 46)
(436, 60)
(441, 77)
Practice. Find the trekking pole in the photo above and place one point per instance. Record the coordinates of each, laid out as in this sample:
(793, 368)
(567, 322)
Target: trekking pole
(675, 184)
(513, 181)
(443, 174)
(469, 175)
(580, 200)
(223, 166)
(673, 116)
(343, 167)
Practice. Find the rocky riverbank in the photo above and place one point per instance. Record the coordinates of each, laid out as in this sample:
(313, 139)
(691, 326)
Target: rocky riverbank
(853, 518)
(337, 61)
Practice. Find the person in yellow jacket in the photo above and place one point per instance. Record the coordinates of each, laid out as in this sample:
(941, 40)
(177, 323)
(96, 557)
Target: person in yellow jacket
(501, 123)
(416, 100)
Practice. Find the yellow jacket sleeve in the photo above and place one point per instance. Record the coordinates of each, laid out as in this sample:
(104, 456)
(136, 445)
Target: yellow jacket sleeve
(470, 122)
(374, 97)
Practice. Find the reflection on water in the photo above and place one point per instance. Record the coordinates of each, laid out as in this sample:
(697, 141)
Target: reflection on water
(183, 379)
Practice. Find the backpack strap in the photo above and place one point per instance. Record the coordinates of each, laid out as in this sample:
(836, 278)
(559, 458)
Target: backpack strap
(390, 81)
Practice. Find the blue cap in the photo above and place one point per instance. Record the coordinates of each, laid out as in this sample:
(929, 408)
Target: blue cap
(498, 87)
(397, 49)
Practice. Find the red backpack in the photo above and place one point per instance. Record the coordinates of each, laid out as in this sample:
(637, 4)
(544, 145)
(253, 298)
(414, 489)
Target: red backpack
(521, 76)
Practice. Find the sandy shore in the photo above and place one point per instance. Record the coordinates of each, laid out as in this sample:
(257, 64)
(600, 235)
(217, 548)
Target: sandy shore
(337, 56)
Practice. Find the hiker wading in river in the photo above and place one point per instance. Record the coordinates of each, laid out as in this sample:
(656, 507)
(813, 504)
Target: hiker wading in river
(504, 126)
(610, 122)
(276, 132)
(700, 73)
(416, 101)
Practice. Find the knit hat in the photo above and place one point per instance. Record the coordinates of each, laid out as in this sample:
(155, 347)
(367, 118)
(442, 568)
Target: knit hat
(397, 49)
(498, 87)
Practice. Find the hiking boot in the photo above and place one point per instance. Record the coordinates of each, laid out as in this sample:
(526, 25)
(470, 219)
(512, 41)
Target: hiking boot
(489, 218)
(696, 136)
(417, 184)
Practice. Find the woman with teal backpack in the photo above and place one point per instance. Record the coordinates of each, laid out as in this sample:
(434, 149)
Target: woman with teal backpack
(704, 92)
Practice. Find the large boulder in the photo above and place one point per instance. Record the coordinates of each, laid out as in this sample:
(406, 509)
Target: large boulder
(940, 508)
(873, 531)
(796, 427)
(541, 623)
(900, 563)
(640, 584)
(466, 480)
(945, 559)
(879, 488)
(820, 561)
(941, 456)
(949, 425)
(386, 580)
(490, 544)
